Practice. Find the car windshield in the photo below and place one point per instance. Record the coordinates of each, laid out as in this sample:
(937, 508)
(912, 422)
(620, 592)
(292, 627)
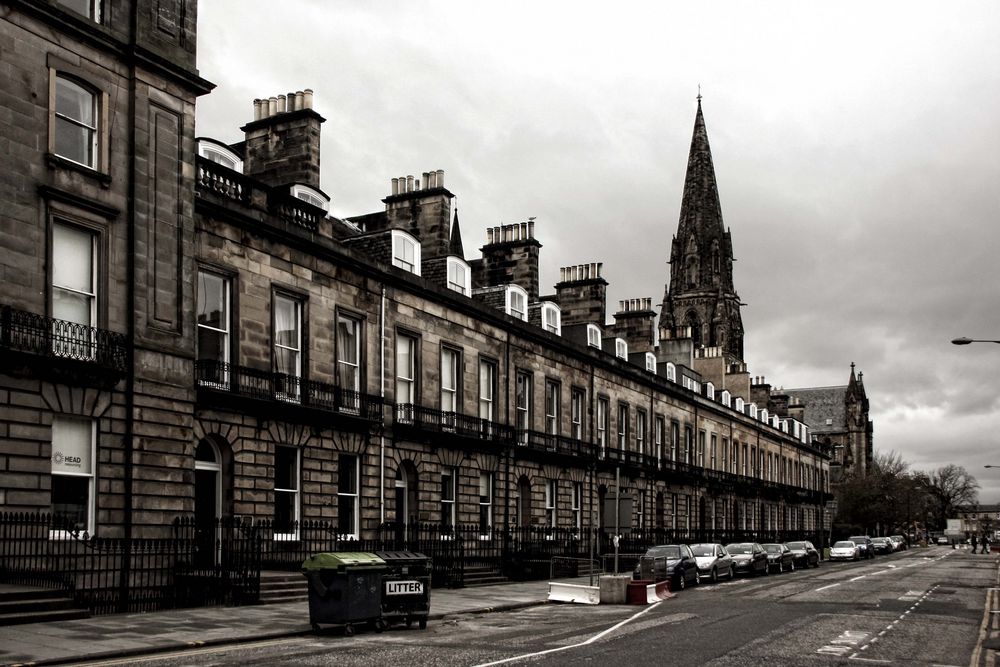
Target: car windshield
(796, 545)
(772, 548)
(664, 552)
(740, 548)
(703, 549)
(844, 545)
(858, 538)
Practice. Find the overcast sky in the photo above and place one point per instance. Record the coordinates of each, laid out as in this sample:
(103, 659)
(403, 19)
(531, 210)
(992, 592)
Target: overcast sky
(856, 145)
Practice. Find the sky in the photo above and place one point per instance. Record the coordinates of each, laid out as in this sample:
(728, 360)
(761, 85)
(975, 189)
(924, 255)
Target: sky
(856, 148)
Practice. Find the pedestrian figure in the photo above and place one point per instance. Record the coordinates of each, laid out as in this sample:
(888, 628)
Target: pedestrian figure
(974, 543)
(986, 544)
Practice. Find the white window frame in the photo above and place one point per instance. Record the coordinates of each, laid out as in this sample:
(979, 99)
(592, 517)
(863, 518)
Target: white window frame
(292, 392)
(621, 348)
(552, 396)
(659, 428)
(603, 408)
(671, 372)
(710, 391)
(65, 343)
(576, 401)
(727, 398)
(753, 411)
(551, 502)
(522, 404)
(651, 362)
(56, 453)
(345, 367)
(294, 491)
(740, 405)
(401, 242)
(551, 318)
(310, 196)
(450, 381)
(449, 487)
(487, 389)
(220, 155)
(516, 293)
(623, 426)
(486, 482)
(95, 141)
(349, 497)
(576, 505)
(459, 275)
(222, 379)
(640, 430)
(406, 373)
(594, 336)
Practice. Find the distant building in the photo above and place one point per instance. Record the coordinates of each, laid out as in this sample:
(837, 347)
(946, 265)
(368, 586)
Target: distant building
(979, 520)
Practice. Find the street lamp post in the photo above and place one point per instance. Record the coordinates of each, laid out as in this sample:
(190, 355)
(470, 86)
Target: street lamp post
(966, 341)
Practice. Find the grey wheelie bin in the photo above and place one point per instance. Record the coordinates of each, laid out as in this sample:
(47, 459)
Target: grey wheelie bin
(406, 587)
(345, 589)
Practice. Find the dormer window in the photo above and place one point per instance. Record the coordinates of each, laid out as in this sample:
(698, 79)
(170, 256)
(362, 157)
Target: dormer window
(727, 398)
(753, 411)
(311, 196)
(517, 302)
(621, 348)
(89, 8)
(740, 405)
(651, 362)
(710, 391)
(764, 416)
(551, 318)
(594, 336)
(459, 276)
(671, 372)
(220, 155)
(405, 252)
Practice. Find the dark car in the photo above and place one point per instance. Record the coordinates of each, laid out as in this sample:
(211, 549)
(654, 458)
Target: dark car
(748, 557)
(713, 561)
(864, 543)
(669, 561)
(804, 553)
(882, 545)
(779, 557)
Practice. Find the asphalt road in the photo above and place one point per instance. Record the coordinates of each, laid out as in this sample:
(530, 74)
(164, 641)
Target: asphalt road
(921, 607)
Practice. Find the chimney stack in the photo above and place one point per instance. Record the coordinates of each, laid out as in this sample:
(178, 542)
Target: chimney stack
(511, 256)
(283, 140)
(582, 294)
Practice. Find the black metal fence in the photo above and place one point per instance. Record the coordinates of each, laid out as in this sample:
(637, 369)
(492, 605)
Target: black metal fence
(21, 331)
(192, 567)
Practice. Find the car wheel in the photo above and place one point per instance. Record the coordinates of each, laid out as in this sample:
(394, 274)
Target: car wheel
(732, 571)
(792, 566)
(681, 582)
(714, 576)
(697, 577)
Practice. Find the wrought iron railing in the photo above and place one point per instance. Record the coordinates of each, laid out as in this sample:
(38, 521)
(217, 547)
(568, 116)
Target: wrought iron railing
(556, 444)
(439, 421)
(30, 333)
(291, 389)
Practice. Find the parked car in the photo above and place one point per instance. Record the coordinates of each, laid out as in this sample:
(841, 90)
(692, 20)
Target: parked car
(804, 553)
(669, 561)
(779, 557)
(901, 543)
(845, 550)
(713, 561)
(864, 545)
(748, 557)
(882, 545)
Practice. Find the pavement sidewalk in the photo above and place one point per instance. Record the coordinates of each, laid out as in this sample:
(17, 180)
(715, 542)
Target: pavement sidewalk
(121, 635)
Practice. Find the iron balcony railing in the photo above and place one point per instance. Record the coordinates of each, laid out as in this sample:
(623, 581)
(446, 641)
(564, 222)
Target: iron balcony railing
(21, 331)
(556, 444)
(280, 387)
(438, 421)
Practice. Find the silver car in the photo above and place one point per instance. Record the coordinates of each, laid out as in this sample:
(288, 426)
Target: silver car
(713, 561)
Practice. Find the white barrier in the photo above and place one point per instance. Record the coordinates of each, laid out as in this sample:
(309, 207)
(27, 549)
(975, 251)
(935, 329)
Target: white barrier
(560, 592)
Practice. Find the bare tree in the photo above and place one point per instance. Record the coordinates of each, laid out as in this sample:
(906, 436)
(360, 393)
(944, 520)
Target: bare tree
(951, 486)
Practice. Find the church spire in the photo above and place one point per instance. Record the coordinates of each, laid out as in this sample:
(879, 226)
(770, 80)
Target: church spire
(700, 301)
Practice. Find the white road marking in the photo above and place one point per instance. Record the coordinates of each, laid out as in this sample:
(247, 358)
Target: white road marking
(577, 645)
(825, 587)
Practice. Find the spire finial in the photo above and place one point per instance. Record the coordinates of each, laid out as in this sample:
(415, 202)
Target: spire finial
(699, 93)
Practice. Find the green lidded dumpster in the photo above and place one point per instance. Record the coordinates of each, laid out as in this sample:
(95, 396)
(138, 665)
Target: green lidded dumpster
(344, 589)
(406, 587)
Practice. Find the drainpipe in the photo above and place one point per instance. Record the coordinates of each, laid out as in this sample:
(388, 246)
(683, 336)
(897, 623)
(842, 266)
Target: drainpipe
(381, 436)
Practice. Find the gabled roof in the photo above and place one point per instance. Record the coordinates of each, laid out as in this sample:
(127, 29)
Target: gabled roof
(825, 408)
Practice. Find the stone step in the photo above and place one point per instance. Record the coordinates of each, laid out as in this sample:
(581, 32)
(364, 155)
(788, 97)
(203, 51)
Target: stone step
(21, 618)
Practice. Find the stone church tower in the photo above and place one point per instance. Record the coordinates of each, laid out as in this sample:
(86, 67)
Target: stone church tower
(700, 304)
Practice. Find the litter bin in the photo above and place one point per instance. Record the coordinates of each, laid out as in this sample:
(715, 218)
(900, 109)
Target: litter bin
(406, 587)
(344, 589)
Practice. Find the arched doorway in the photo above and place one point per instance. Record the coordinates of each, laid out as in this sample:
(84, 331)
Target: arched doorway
(207, 501)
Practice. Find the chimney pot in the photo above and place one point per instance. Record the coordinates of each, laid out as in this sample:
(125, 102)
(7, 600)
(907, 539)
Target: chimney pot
(599, 265)
(409, 183)
(256, 109)
(427, 180)
(281, 104)
(307, 98)
(395, 186)
(272, 106)
(439, 179)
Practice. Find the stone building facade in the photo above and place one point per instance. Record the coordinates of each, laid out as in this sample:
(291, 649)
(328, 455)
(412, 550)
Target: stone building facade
(188, 331)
